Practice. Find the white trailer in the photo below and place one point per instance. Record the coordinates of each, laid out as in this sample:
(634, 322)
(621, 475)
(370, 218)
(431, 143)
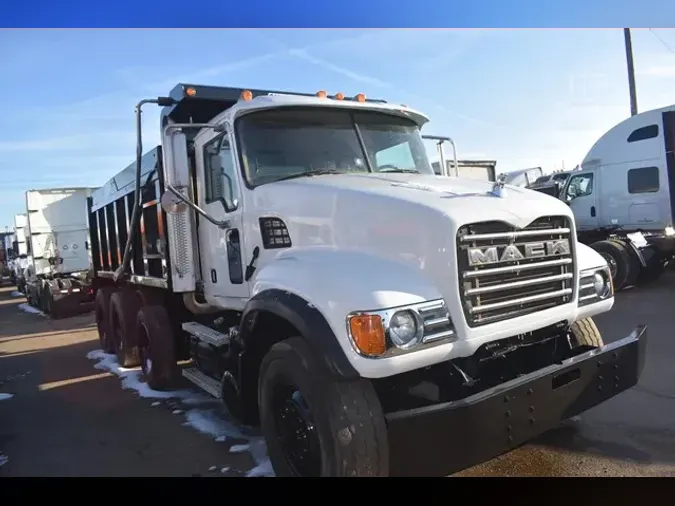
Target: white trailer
(58, 275)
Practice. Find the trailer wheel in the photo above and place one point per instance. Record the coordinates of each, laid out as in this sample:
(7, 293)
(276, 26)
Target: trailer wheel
(123, 314)
(315, 425)
(586, 333)
(156, 347)
(101, 309)
(618, 259)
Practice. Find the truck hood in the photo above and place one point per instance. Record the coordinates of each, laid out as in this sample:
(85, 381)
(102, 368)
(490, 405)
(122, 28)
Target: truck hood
(460, 200)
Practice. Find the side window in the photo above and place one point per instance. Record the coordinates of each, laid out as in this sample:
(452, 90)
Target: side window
(220, 174)
(648, 132)
(579, 186)
(398, 156)
(643, 180)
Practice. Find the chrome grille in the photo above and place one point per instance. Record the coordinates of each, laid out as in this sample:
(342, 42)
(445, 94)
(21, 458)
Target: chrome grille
(501, 288)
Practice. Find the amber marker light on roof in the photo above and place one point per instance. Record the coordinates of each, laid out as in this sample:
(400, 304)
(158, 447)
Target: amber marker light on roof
(339, 96)
(360, 97)
(321, 94)
(246, 95)
(190, 92)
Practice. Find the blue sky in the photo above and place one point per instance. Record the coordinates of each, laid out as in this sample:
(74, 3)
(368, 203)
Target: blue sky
(522, 97)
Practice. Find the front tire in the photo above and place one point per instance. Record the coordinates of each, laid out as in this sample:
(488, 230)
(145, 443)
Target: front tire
(315, 425)
(585, 333)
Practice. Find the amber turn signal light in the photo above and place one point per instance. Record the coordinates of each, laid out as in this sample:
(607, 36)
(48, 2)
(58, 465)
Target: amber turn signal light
(367, 333)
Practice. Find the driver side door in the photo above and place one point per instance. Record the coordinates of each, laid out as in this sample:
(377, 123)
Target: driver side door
(221, 249)
(581, 194)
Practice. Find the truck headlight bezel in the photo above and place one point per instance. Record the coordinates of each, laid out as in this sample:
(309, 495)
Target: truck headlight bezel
(372, 333)
(595, 285)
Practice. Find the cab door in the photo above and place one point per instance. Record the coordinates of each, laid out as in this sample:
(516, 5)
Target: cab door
(581, 193)
(221, 250)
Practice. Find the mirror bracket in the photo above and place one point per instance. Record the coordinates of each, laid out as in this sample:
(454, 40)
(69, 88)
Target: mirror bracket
(171, 203)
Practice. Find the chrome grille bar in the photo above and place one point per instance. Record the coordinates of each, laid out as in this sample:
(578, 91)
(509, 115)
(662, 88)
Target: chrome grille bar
(509, 236)
(501, 290)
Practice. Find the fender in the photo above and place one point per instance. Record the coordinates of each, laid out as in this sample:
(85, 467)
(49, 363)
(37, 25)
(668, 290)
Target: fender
(310, 323)
(637, 251)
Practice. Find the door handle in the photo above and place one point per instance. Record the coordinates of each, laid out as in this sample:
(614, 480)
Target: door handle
(593, 211)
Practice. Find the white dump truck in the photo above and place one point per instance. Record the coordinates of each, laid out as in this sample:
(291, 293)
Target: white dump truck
(623, 196)
(58, 275)
(372, 317)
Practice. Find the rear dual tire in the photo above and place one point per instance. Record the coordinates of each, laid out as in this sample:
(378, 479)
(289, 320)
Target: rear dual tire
(137, 334)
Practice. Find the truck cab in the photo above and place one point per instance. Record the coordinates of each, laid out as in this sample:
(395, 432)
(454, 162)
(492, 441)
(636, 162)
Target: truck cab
(623, 196)
(300, 253)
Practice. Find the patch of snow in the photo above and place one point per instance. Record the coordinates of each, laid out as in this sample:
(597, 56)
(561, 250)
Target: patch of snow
(224, 470)
(4, 397)
(131, 378)
(17, 294)
(156, 403)
(176, 411)
(209, 421)
(3, 459)
(30, 309)
(213, 468)
(212, 423)
(238, 448)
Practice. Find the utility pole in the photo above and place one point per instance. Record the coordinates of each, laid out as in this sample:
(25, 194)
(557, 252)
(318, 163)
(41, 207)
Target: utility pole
(631, 72)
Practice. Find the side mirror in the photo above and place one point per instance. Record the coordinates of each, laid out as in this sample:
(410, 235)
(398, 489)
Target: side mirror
(176, 160)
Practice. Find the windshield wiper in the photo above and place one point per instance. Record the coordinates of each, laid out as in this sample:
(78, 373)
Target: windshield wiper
(399, 171)
(310, 173)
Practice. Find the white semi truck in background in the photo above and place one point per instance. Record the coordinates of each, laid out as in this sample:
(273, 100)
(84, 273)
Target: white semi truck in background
(373, 318)
(58, 275)
(21, 253)
(623, 196)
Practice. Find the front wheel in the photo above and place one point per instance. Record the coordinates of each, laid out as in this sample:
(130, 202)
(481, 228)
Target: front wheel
(315, 425)
(585, 333)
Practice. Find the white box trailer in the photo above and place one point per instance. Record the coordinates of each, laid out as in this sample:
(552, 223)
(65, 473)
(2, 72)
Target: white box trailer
(58, 274)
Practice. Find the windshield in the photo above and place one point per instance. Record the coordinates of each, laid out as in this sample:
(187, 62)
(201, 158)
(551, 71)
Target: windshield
(282, 143)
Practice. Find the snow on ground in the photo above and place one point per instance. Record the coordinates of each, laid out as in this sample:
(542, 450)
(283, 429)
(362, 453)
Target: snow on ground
(30, 309)
(3, 459)
(17, 294)
(4, 397)
(204, 413)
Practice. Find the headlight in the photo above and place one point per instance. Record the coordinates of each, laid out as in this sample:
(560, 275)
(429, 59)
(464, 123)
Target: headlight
(601, 284)
(670, 231)
(404, 329)
(595, 285)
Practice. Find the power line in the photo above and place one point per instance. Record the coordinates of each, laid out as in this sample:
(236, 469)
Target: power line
(665, 44)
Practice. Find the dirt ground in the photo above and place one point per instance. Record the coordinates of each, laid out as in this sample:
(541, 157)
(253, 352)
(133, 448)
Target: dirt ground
(70, 415)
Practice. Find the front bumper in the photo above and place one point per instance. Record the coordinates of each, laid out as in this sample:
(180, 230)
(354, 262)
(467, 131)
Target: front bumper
(446, 438)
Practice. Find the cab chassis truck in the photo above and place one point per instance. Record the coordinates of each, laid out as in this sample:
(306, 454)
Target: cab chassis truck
(297, 255)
